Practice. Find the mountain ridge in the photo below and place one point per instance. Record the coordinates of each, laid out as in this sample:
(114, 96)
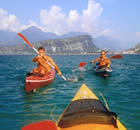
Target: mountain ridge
(133, 50)
(34, 34)
(80, 45)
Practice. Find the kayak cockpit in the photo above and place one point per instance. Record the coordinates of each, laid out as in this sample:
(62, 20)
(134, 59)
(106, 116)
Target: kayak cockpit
(85, 111)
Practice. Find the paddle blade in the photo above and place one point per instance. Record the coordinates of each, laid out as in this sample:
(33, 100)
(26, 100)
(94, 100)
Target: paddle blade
(43, 125)
(25, 40)
(116, 57)
(82, 64)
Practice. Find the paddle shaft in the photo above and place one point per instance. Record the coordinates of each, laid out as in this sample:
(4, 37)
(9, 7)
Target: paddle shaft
(37, 52)
(82, 64)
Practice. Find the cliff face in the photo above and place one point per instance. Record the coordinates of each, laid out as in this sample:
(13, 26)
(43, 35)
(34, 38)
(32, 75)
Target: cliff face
(136, 49)
(80, 44)
(133, 50)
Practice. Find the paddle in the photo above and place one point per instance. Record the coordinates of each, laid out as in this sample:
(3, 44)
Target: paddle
(43, 125)
(37, 51)
(118, 56)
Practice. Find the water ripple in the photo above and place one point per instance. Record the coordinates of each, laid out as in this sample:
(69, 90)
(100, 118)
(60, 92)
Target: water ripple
(121, 90)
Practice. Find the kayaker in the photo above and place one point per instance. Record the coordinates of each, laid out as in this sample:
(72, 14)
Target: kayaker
(103, 60)
(43, 65)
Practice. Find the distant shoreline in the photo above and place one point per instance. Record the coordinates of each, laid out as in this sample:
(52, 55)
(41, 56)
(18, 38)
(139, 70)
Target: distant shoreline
(71, 54)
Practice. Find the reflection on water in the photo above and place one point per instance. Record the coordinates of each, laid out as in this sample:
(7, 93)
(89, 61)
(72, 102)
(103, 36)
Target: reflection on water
(120, 90)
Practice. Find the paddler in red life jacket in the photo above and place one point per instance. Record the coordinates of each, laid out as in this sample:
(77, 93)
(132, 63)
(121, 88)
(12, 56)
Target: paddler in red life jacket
(43, 65)
(103, 60)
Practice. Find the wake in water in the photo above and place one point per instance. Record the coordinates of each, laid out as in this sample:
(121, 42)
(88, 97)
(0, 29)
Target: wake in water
(77, 74)
(73, 78)
(79, 69)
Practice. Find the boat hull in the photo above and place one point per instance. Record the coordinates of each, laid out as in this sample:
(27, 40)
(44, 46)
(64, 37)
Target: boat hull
(102, 71)
(36, 80)
(87, 112)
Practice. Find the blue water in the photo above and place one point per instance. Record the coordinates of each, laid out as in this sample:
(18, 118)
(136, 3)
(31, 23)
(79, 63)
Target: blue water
(121, 90)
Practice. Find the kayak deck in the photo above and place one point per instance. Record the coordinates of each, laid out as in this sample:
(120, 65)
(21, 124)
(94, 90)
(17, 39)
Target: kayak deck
(86, 111)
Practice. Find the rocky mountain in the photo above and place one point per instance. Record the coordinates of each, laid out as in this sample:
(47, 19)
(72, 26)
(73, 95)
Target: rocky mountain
(111, 44)
(33, 34)
(133, 50)
(5, 36)
(80, 45)
(72, 34)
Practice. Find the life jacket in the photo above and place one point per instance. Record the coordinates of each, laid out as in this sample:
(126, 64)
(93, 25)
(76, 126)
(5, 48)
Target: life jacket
(103, 62)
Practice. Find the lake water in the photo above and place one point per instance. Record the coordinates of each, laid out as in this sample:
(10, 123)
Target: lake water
(17, 108)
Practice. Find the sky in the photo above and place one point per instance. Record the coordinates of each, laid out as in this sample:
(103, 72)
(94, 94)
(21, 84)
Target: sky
(118, 19)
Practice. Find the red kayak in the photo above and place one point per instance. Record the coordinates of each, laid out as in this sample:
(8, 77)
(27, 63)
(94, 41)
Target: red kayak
(37, 80)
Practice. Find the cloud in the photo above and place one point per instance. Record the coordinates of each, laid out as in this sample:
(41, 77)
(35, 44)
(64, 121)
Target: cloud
(106, 32)
(30, 24)
(55, 20)
(8, 21)
(138, 34)
(11, 23)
